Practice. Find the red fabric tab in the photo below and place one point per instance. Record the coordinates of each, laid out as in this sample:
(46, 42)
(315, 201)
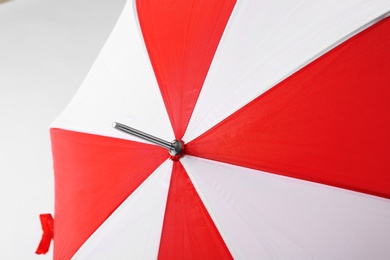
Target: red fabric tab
(47, 222)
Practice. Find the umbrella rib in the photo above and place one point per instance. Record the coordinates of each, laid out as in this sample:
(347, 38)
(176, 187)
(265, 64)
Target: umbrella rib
(174, 148)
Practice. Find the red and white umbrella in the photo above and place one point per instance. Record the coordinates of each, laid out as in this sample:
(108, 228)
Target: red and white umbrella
(284, 111)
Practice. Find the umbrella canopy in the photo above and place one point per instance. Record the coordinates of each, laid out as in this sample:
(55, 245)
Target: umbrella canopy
(283, 110)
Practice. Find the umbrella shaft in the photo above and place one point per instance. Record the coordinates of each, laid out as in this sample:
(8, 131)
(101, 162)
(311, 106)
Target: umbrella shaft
(142, 135)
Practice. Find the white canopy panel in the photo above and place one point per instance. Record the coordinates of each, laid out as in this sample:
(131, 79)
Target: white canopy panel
(121, 87)
(267, 41)
(268, 216)
(133, 231)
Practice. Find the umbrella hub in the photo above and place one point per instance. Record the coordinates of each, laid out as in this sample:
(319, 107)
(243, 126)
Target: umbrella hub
(176, 150)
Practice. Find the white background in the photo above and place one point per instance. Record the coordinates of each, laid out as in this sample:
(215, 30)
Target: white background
(46, 49)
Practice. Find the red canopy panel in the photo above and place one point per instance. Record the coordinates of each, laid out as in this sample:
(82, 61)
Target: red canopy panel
(181, 38)
(93, 176)
(327, 123)
(188, 230)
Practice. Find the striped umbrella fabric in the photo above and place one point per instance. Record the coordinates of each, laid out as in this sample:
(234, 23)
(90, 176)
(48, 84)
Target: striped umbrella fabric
(283, 108)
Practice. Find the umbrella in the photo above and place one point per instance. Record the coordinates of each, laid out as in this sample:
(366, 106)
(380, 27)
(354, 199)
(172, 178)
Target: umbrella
(251, 129)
